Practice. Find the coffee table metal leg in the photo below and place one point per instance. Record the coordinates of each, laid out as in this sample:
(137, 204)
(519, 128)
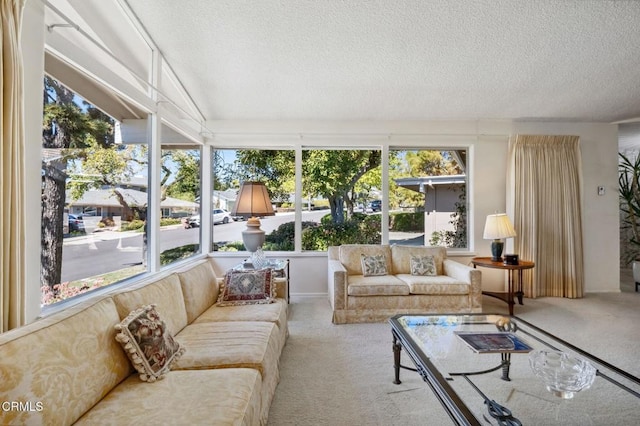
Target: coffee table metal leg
(396, 359)
(506, 364)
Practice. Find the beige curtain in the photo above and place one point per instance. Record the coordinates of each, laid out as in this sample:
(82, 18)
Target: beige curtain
(12, 303)
(545, 177)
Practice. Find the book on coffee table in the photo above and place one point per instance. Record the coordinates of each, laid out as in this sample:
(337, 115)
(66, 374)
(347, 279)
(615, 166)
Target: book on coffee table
(492, 342)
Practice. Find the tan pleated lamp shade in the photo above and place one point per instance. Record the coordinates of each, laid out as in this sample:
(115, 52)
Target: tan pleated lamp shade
(253, 201)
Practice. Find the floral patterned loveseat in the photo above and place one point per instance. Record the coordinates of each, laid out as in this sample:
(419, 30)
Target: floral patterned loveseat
(370, 283)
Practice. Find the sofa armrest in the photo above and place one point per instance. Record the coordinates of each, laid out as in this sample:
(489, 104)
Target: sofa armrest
(469, 275)
(337, 275)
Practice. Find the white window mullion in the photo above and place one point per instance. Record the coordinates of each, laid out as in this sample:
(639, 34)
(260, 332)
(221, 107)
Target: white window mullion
(384, 224)
(155, 159)
(298, 200)
(206, 189)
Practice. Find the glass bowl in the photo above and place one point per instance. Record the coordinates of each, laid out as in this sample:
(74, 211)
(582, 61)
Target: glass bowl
(563, 374)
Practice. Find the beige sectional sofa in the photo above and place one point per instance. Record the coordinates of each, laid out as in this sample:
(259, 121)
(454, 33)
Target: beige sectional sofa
(354, 297)
(68, 368)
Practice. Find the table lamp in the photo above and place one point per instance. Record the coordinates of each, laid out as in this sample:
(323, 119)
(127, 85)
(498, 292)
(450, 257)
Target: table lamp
(253, 202)
(498, 226)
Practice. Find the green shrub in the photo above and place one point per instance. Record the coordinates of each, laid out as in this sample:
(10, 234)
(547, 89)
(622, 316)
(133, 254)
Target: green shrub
(134, 225)
(455, 239)
(229, 246)
(326, 219)
(177, 253)
(407, 222)
(166, 221)
(361, 229)
(282, 238)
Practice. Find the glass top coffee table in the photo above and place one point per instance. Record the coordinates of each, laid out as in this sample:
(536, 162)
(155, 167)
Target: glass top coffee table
(478, 366)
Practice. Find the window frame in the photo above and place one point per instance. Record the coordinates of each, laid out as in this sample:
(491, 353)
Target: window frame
(385, 144)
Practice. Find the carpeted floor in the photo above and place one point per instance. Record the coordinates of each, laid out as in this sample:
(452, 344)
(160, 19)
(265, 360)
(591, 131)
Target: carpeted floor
(342, 374)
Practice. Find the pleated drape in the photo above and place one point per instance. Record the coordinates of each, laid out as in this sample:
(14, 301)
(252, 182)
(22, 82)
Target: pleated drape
(12, 290)
(545, 176)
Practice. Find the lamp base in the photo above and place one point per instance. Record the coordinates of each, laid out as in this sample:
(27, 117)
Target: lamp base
(253, 236)
(496, 250)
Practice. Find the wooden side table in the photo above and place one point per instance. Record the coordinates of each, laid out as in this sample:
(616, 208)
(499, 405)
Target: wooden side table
(508, 296)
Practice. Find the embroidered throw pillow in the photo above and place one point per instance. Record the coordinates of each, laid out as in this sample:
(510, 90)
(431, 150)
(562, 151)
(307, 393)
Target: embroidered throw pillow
(150, 347)
(423, 265)
(247, 287)
(373, 265)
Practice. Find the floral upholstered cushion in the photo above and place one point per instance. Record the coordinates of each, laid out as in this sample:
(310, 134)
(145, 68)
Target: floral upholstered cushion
(423, 265)
(350, 255)
(401, 257)
(374, 265)
(147, 343)
(247, 287)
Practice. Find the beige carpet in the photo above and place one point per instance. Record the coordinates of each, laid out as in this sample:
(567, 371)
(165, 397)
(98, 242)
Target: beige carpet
(342, 374)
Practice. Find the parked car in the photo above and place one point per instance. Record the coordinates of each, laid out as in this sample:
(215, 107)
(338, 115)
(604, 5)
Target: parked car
(219, 216)
(375, 205)
(76, 224)
(192, 221)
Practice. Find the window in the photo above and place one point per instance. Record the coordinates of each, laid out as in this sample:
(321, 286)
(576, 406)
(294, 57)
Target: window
(427, 197)
(341, 197)
(276, 169)
(338, 187)
(180, 201)
(94, 198)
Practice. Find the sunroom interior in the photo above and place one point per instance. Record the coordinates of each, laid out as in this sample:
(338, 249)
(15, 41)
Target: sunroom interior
(304, 76)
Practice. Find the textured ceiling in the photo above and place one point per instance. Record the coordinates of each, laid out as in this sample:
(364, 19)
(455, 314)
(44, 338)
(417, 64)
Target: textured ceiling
(402, 60)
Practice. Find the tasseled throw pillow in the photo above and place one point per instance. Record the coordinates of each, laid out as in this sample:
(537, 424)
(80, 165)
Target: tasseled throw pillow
(150, 347)
(247, 287)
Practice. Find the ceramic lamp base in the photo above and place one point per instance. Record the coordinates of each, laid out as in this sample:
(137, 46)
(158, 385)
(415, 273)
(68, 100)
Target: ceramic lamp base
(496, 250)
(253, 236)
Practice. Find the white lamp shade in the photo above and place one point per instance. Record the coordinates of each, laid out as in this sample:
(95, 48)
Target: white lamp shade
(498, 226)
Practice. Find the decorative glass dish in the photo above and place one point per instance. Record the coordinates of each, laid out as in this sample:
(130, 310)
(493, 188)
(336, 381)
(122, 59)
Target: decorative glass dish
(563, 374)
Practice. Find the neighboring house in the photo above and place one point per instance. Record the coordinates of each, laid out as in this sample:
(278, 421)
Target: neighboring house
(441, 193)
(224, 199)
(102, 202)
